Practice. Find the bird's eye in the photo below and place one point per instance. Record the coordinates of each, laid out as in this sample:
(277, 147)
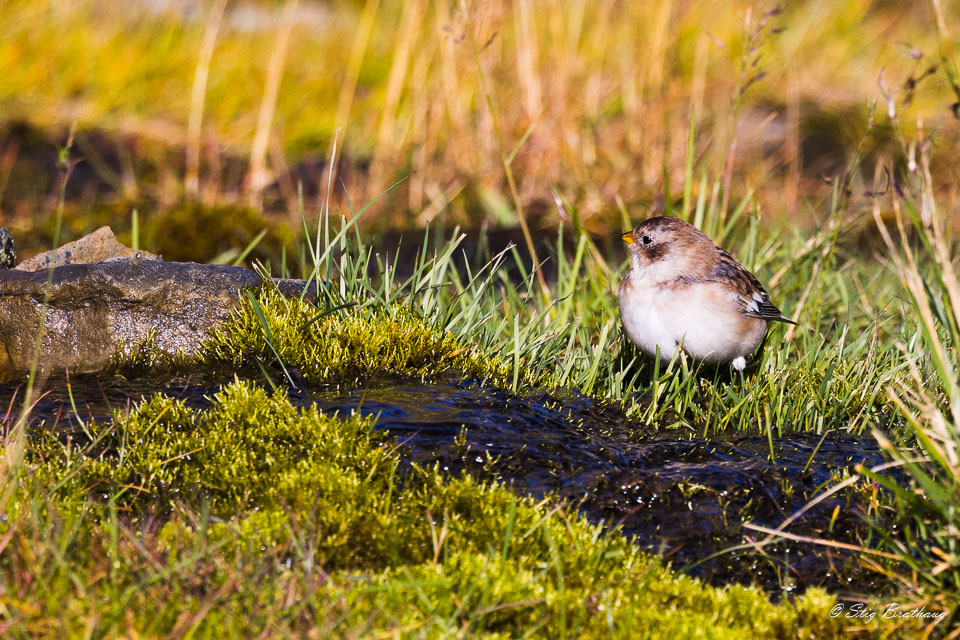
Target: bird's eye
(646, 239)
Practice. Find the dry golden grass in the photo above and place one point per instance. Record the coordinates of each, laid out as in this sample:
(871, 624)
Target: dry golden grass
(593, 99)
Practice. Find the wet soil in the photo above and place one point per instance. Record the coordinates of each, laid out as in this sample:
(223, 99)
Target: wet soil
(683, 497)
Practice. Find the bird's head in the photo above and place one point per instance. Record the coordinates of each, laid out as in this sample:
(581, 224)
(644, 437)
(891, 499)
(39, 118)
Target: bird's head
(670, 245)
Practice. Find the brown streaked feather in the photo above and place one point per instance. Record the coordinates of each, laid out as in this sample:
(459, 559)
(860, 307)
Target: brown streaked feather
(745, 284)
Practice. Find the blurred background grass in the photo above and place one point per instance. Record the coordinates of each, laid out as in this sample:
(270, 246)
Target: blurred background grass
(190, 109)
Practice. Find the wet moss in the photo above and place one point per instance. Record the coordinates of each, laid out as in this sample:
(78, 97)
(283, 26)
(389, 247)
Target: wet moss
(145, 356)
(250, 450)
(264, 502)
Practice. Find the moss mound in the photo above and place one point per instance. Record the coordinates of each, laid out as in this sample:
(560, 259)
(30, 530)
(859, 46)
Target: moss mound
(349, 346)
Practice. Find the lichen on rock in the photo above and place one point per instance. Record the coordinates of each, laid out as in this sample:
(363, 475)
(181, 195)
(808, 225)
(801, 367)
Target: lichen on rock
(8, 249)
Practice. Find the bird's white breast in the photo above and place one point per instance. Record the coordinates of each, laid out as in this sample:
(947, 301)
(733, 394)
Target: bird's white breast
(703, 317)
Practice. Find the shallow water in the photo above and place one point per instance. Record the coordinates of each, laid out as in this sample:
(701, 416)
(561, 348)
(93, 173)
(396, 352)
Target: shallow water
(680, 496)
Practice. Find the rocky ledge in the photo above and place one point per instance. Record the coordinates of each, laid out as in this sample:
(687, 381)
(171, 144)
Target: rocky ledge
(83, 313)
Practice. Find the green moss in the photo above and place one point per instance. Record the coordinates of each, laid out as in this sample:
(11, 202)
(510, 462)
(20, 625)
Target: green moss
(144, 356)
(349, 346)
(250, 450)
(280, 520)
(483, 593)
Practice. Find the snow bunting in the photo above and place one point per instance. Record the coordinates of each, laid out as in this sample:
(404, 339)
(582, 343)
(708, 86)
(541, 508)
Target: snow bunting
(684, 291)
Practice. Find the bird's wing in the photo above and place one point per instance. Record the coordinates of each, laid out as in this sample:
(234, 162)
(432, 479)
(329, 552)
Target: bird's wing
(753, 300)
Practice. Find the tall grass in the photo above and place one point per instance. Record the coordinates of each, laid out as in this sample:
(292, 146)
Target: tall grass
(928, 504)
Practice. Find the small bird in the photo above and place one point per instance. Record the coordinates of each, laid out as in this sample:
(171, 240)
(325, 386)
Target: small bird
(684, 291)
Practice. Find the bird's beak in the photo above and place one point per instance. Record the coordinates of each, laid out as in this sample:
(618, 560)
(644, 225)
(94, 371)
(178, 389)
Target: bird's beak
(628, 237)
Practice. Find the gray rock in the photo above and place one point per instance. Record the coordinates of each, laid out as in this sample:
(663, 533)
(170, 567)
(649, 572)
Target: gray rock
(90, 309)
(8, 250)
(94, 247)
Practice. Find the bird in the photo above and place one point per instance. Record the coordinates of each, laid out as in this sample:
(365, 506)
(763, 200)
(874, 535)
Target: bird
(682, 291)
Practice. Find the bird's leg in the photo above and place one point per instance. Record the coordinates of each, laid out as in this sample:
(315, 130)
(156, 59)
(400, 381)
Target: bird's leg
(739, 364)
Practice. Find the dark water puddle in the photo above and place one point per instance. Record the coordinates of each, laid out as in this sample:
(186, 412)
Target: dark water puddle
(97, 397)
(685, 498)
